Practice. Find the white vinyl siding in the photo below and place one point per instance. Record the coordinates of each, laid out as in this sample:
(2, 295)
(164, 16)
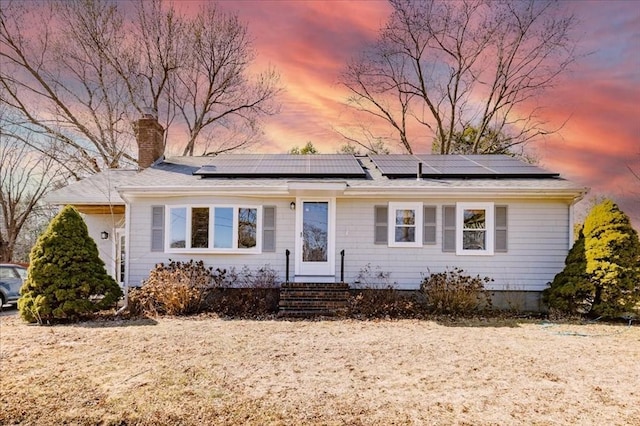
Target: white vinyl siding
(143, 260)
(538, 231)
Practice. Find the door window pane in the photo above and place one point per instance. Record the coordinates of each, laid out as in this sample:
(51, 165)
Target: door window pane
(315, 230)
(223, 227)
(122, 258)
(247, 227)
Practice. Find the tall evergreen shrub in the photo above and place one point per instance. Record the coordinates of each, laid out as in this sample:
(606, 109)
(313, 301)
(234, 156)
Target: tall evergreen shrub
(572, 290)
(66, 277)
(612, 252)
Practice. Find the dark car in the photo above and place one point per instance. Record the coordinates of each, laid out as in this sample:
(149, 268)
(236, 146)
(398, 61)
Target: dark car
(11, 279)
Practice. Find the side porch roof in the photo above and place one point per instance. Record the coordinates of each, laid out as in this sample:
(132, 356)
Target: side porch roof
(94, 194)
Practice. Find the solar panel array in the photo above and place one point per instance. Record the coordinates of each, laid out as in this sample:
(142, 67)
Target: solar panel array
(348, 166)
(458, 166)
(283, 165)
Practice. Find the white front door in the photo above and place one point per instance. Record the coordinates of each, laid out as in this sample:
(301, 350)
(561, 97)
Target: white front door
(315, 238)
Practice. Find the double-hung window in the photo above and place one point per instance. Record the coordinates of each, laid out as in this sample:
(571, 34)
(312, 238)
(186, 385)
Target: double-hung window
(213, 228)
(405, 224)
(475, 228)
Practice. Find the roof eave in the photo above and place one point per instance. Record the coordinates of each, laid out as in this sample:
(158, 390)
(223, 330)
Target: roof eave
(532, 193)
(175, 191)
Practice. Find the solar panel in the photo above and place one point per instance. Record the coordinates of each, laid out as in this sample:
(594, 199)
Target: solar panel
(458, 166)
(282, 165)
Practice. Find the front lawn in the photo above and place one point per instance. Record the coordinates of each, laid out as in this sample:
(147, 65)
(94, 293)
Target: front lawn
(204, 370)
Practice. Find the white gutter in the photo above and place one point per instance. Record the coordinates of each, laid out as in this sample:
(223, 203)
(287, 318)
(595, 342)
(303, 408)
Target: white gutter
(129, 194)
(403, 192)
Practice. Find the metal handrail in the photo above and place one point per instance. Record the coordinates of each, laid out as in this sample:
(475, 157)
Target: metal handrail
(287, 254)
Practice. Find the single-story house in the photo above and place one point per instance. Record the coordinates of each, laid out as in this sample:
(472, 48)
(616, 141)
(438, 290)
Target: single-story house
(325, 218)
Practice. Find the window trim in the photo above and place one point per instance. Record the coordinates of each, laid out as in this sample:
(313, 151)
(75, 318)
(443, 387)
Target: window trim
(489, 230)
(391, 232)
(211, 237)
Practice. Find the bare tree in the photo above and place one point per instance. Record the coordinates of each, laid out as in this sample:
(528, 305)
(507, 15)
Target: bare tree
(361, 136)
(153, 55)
(448, 66)
(213, 89)
(25, 177)
(92, 68)
(60, 82)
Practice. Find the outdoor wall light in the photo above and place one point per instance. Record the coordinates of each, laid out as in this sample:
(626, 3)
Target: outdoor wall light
(292, 206)
(104, 235)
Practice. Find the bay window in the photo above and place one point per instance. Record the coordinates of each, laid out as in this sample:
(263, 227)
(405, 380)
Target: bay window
(213, 228)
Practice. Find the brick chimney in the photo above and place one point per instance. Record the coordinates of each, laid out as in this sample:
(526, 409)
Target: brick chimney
(150, 137)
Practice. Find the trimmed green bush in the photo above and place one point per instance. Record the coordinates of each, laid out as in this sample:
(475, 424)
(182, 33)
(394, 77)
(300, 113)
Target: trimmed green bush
(572, 291)
(612, 251)
(66, 278)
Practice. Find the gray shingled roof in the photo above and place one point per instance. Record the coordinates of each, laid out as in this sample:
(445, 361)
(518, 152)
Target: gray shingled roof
(98, 189)
(176, 175)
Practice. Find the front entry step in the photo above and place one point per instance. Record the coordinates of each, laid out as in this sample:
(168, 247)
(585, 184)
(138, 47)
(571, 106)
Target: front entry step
(302, 300)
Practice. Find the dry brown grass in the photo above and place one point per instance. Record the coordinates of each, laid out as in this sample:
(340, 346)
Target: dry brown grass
(211, 371)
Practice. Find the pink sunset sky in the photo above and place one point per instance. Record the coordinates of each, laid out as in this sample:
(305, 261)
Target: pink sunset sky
(310, 42)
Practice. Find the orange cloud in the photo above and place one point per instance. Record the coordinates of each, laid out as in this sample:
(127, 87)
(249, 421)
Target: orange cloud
(310, 42)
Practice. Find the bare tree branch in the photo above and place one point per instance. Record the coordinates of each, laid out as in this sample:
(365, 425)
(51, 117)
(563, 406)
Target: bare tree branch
(214, 88)
(25, 177)
(478, 63)
(92, 69)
